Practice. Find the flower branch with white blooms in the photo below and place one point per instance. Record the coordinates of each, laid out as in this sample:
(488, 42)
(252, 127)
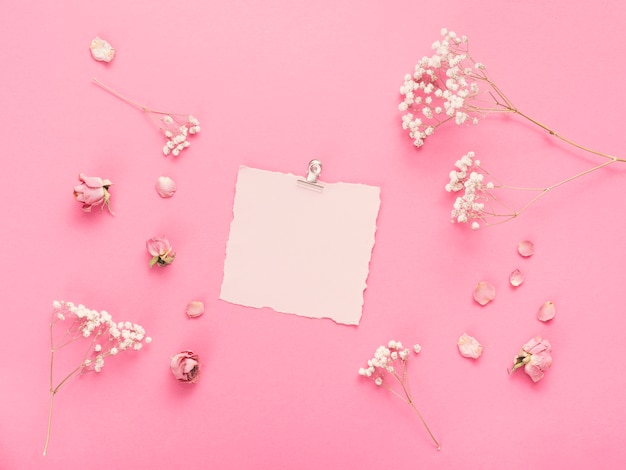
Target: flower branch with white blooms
(451, 85)
(103, 336)
(388, 369)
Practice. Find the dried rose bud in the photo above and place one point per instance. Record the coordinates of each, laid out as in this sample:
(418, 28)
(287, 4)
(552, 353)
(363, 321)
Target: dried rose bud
(194, 309)
(93, 191)
(534, 357)
(186, 367)
(101, 50)
(165, 186)
(484, 292)
(161, 251)
(469, 346)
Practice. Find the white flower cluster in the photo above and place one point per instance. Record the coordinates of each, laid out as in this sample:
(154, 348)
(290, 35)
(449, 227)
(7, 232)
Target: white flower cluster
(177, 131)
(91, 323)
(440, 88)
(469, 179)
(386, 359)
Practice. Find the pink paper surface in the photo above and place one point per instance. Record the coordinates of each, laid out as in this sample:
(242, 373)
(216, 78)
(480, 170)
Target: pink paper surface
(275, 83)
(297, 250)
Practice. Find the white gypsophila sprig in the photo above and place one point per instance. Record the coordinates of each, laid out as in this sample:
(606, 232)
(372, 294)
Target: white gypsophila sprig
(468, 178)
(451, 85)
(480, 202)
(103, 338)
(388, 369)
(441, 88)
(176, 128)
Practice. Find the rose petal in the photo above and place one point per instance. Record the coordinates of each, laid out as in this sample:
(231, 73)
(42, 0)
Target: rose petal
(547, 311)
(194, 309)
(484, 292)
(469, 346)
(101, 50)
(516, 278)
(526, 248)
(165, 186)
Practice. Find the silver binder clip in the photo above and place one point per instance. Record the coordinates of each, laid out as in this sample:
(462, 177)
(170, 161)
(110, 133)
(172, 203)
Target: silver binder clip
(314, 171)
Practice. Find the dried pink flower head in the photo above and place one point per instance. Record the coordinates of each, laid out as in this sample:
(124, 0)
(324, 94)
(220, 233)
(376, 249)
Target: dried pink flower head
(101, 50)
(186, 367)
(194, 309)
(469, 346)
(526, 248)
(161, 251)
(535, 357)
(165, 186)
(516, 278)
(484, 292)
(547, 311)
(92, 192)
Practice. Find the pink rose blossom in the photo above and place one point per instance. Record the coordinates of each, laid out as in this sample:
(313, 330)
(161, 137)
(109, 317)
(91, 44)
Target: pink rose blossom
(161, 251)
(93, 191)
(535, 357)
(186, 367)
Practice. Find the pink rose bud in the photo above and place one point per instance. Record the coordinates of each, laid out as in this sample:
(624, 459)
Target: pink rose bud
(186, 367)
(534, 357)
(161, 251)
(93, 191)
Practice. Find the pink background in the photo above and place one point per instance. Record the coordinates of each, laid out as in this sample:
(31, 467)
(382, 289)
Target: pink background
(275, 83)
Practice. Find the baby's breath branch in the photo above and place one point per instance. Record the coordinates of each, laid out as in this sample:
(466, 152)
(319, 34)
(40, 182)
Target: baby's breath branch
(562, 182)
(124, 98)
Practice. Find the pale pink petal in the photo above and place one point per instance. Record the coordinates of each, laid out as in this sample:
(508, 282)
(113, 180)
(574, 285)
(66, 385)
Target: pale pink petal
(91, 181)
(194, 309)
(526, 248)
(537, 345)
(534, 372)
(469, 346)
(547, 311)
(543, 360)
(165, 186)
(484, 292)
(516, 278)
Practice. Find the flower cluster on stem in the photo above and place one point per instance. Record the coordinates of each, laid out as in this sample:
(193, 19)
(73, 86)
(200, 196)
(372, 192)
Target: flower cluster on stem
(103, 338)
(388, 369)
(176, 128)
(450, 85)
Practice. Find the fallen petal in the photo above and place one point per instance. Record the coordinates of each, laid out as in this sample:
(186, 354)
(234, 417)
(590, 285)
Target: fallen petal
(547, 311)
(469, 346)
(484, 292)
(194, 309)
(165, 186)
(101, 50)
(516, 278)
(526, 248)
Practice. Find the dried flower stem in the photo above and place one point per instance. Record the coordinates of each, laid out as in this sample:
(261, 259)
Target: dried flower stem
(408, 398)
(384, 363)
(128, 100)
